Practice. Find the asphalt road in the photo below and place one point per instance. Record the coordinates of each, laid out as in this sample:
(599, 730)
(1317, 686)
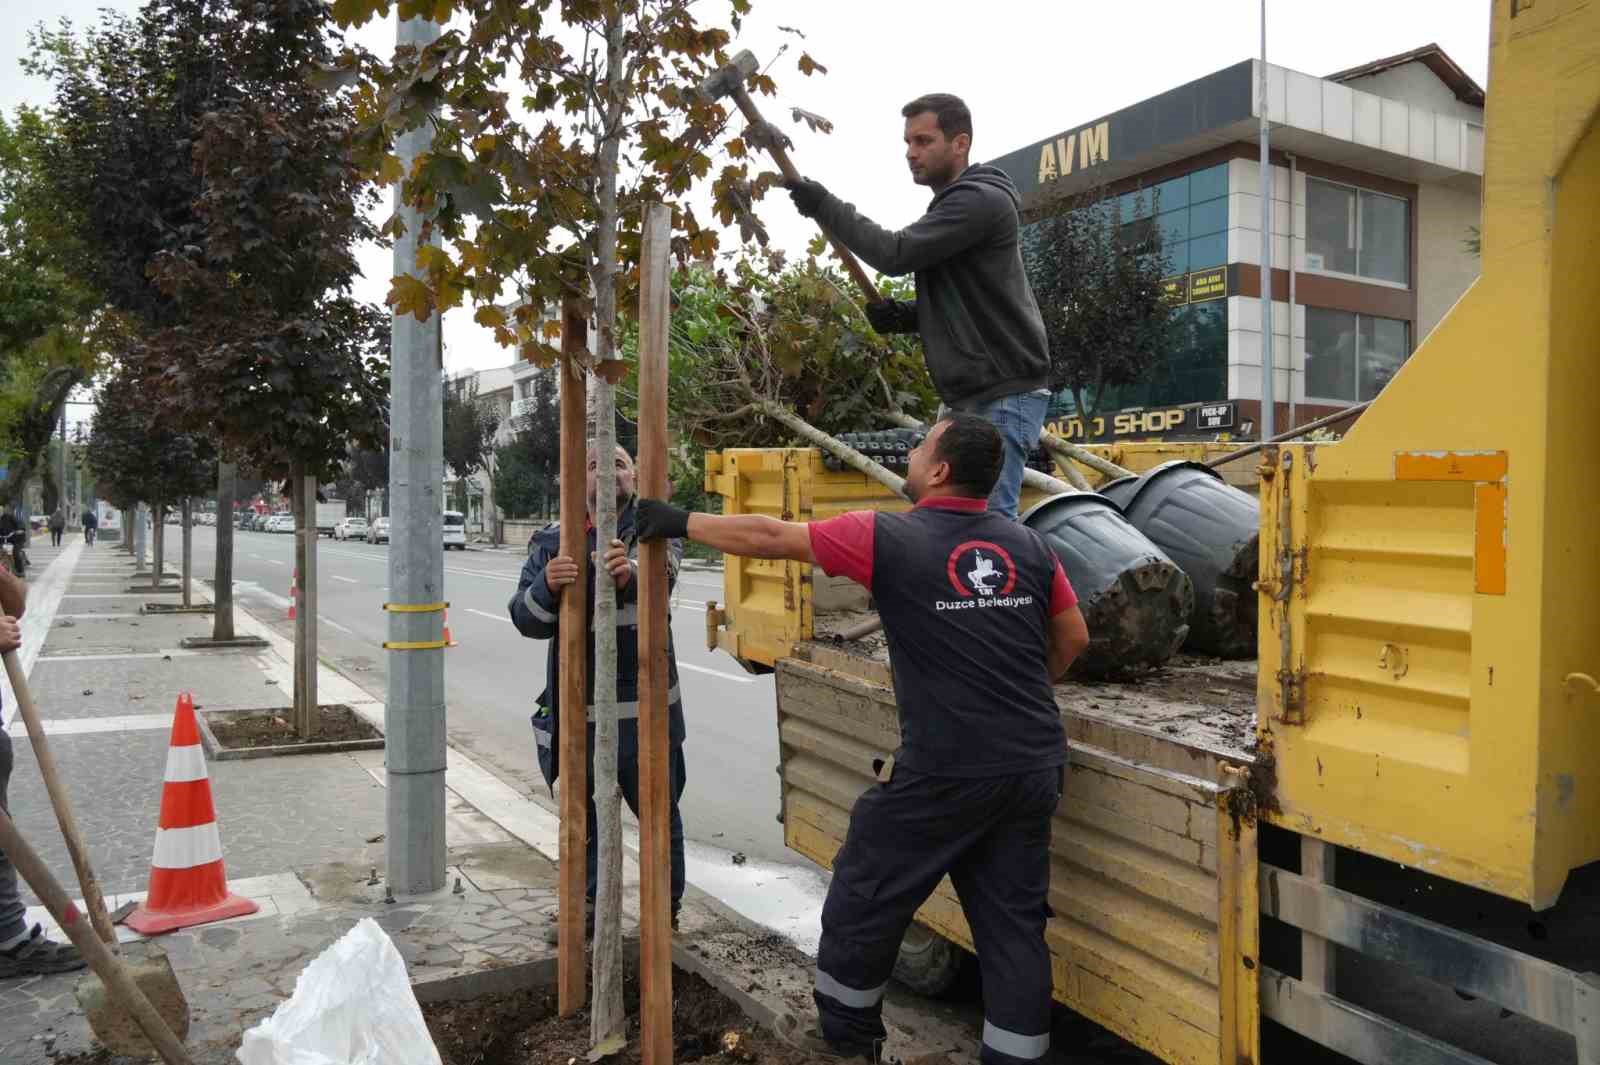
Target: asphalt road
(494, 674)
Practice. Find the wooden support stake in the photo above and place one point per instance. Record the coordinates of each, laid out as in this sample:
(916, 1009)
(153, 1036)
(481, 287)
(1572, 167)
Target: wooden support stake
(655, 794)
(572, 992)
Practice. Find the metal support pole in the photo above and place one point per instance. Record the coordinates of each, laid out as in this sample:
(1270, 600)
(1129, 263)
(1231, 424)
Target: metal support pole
(415, 717)
(1268, 385)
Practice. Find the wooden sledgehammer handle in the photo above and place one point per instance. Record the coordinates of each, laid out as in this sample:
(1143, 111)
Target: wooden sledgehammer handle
(106, 965)
(851, 264)
(92, 897)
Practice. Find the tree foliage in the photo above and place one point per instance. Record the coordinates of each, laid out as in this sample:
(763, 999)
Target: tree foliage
(512, 180)
(1097, 277)
(795, 338)
(216, 188)
(49, 331)
(137, 455)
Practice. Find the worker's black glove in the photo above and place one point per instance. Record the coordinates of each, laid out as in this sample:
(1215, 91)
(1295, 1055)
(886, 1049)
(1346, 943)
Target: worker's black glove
(883, 316)
(807, 195)
(654, 519)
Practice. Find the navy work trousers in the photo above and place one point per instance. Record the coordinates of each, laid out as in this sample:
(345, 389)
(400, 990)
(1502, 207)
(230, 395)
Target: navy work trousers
(992, 836)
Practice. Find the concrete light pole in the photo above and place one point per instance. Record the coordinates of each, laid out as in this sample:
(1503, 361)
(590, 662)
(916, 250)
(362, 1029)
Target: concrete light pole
(415, 717)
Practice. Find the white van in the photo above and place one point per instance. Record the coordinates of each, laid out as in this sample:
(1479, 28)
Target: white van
(455, 530)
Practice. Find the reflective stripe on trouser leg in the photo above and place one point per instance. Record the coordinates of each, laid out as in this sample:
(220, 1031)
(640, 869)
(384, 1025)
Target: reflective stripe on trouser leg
(855, 998)
(1015, 1044)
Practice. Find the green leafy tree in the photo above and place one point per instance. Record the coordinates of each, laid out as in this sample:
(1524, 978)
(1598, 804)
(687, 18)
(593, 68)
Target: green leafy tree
(49, 329)
(219, 197)
(469, 428)
(527, 465)
(1097, 278)
(137, 455)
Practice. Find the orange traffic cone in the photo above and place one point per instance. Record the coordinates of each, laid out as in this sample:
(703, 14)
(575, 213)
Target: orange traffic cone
(294, 593)
(187, 883)
(448, 642)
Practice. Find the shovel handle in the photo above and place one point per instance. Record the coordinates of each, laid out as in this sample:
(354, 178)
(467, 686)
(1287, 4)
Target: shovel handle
(93, 900)
(790, 173)
(106, 965)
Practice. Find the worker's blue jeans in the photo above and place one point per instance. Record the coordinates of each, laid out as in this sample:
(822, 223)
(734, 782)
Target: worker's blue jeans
(11, 909)
(1019, 417)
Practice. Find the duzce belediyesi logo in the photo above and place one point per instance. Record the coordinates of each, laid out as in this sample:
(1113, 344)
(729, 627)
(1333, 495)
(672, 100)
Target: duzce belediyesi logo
(983, 575)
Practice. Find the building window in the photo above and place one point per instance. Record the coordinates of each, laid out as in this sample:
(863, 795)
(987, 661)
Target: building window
(1350, 357)
(1357, 232)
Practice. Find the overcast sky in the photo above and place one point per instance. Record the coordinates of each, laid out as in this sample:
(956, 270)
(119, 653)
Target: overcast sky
(1027, 68)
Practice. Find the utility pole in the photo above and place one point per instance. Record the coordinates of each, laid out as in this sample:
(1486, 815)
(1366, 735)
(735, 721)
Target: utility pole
(1269, 399)
(414, 719)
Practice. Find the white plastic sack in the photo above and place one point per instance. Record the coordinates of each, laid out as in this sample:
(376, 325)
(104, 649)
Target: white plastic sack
(352, 1005)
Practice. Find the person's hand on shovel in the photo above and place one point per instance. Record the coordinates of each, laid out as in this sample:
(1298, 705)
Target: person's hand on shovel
(10, 634)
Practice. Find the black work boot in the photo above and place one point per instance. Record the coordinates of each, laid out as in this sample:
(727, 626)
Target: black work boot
(805, 1035)
(552, 932)
(37, 956)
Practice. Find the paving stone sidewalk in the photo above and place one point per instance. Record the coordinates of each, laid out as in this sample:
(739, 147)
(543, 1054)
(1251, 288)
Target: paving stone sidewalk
(303, 834)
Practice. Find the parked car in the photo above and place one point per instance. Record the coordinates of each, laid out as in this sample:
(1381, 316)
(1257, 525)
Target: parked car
(351, 528)
(281, 523)
(378, 531)
(455, 530)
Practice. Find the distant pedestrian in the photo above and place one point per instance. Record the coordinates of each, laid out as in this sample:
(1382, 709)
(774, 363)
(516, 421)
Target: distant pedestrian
(90, 525)
(24, 951)
(58, 526)
(536, 609)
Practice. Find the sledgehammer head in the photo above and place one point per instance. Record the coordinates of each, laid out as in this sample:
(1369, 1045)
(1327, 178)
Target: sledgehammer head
(729, 78)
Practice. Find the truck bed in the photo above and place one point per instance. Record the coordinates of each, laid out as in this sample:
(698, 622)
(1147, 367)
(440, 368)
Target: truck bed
(1204, 704)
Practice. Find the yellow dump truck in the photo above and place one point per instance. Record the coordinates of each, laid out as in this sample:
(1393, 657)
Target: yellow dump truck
(1378, 835)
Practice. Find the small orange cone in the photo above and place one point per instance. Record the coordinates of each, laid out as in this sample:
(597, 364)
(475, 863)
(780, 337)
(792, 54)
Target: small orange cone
(187, 882)
(294, 593)
(448, 642)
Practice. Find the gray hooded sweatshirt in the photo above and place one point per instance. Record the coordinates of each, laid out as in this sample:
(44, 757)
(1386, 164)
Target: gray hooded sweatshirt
(981, 331)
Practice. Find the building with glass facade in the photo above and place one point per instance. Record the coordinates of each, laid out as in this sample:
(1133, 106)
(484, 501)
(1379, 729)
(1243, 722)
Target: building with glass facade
(1376, 187)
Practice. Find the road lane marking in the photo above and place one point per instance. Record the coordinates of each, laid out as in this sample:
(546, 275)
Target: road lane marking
(274, 562)
(347, 580)
(336, 625)
(718, 673)
(486, 614)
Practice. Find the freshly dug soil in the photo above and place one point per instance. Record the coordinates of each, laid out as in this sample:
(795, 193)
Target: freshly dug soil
(273, 728)
(521, 1028)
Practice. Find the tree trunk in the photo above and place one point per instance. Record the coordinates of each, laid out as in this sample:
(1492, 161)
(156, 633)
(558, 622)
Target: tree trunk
(607, 1017)
(222, 585)
(835, 447)
(306, 719)
(159, 534)
(1074, 453)
(188, 548)
(1032, 478)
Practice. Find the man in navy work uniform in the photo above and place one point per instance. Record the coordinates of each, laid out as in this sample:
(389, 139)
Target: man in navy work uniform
(535, 610)
(981, 331)
(981, 622)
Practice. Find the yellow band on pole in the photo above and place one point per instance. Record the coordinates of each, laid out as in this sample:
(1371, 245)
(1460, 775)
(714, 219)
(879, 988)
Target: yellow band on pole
(414, 608)
(414, 645)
